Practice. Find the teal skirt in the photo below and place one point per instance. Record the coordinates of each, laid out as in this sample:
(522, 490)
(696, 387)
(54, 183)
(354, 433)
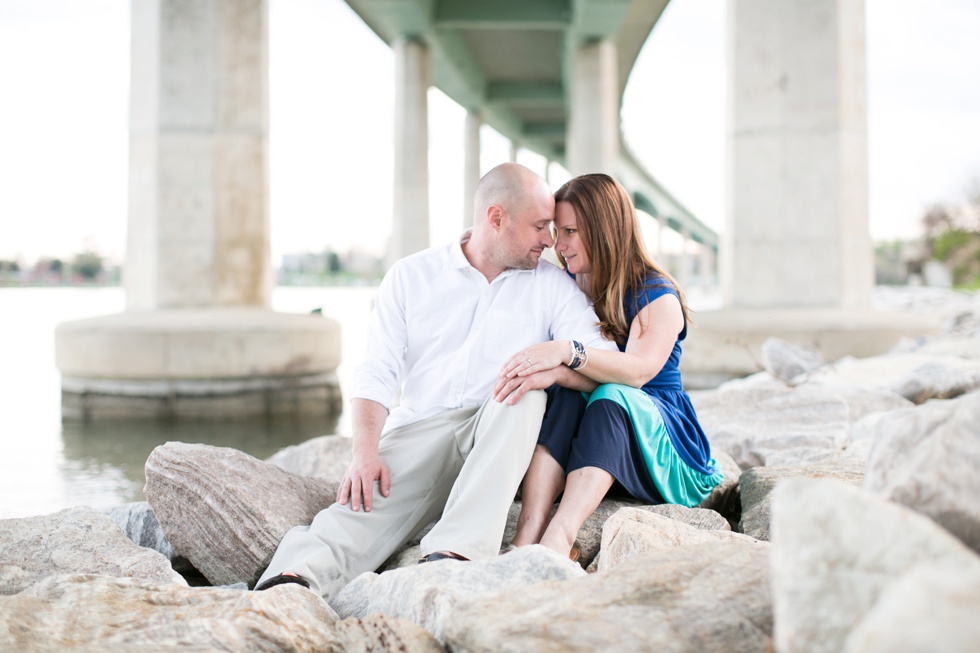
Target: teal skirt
(676, 478)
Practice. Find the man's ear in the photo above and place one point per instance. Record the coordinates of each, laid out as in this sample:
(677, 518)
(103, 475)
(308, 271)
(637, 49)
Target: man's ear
(495, 216)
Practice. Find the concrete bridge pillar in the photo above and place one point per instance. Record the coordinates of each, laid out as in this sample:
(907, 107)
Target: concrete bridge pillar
(798, 166)
(797, 260)
(198, 338)
(593, 126)
(685, 263)
(471, 165)
(707, 264)
(661, 228)
(198, 231)
(410, 231)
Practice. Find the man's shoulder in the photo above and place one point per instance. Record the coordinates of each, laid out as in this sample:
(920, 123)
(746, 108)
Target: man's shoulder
(548, 269)
(550, 273)
(432, 257)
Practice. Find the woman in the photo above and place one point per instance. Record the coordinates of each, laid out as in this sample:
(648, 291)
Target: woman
(638, 428)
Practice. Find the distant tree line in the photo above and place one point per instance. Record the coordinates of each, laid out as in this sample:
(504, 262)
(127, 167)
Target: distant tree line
(328, 267)
(951, 235)
(85, 267)
(947, 252)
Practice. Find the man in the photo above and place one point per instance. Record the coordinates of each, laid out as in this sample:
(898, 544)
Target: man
(445, 320)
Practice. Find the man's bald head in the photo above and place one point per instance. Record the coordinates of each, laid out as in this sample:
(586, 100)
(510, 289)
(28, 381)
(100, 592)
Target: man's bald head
(513, 209)
(509, 185)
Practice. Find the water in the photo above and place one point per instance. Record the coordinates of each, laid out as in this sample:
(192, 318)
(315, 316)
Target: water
(47, 465)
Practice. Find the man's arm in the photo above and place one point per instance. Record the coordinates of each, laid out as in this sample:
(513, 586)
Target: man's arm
(368, 419)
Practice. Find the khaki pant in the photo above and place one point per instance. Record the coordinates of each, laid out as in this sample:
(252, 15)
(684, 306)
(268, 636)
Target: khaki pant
(464, 464)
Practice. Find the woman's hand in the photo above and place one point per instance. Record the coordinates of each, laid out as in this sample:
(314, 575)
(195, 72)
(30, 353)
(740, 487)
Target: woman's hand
(537, 358)
(514, 388)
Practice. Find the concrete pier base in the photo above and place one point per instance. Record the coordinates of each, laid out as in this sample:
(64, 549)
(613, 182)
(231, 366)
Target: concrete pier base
(725, 344)
(215, 363)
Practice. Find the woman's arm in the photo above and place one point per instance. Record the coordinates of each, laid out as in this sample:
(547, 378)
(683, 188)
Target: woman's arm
(653, 333)
(515, 387)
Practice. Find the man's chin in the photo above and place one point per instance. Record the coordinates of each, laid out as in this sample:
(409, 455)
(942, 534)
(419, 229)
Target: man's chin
(529, 262)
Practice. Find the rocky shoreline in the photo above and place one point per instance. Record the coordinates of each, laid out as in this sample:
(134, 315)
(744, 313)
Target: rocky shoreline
(849, 520)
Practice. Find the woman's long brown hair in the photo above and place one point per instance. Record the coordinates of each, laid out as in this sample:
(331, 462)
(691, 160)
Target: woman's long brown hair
(610, 234)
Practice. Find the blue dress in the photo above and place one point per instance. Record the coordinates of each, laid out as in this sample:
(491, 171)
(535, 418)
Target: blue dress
(647, 438)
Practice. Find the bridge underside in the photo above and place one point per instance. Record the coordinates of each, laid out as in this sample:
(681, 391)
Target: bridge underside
(548, 75)
(512, 61)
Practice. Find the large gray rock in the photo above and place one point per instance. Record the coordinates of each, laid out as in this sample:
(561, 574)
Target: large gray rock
(757, 419)
(226, 511)
(758, 484)
(707, 597)
(855, 453)
(959, 310)
(957, 347)
(787, 361)
(73, 541)
(927, 458)
(937, 380)
(751, 422)
(590, 534)
(917, 377)
(631, 532)
(115, 614)
(724, 499)
(929, 609)
(327, 456)
(141, 526)
(862, 400)
(865, 428)
(589, 537)
(836, 550)
(423, 594)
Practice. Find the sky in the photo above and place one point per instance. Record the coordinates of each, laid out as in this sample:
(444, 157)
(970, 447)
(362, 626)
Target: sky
(64, 85)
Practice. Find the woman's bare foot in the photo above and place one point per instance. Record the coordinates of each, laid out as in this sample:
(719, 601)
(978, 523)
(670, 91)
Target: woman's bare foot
(559, 541)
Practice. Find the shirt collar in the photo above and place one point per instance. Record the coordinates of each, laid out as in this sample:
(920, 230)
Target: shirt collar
(457, 260)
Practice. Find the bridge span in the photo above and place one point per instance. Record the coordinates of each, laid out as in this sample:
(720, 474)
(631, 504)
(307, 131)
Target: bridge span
(549, 75)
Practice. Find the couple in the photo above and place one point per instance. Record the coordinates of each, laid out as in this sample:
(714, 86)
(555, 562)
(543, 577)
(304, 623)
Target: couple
(470, 422)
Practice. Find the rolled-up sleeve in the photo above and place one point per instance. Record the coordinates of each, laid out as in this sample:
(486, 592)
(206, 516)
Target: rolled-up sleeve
(378, 377)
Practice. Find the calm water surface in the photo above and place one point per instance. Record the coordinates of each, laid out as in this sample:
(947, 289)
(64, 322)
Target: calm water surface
(47, 465)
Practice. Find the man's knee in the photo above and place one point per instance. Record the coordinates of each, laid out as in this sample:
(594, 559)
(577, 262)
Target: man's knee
(530, 407)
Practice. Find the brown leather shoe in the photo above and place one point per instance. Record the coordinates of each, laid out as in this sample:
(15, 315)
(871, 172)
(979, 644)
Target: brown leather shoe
(282, 579)
(442, 555)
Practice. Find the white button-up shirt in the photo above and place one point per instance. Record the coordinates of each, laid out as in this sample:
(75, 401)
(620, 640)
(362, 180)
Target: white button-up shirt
(441, 333)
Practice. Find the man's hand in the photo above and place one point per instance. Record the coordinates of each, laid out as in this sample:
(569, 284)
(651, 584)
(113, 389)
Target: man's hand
(367, 420)
(358, 482)
(514, 388)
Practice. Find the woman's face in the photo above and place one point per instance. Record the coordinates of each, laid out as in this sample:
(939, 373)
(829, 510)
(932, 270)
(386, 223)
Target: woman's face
(568, 243)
